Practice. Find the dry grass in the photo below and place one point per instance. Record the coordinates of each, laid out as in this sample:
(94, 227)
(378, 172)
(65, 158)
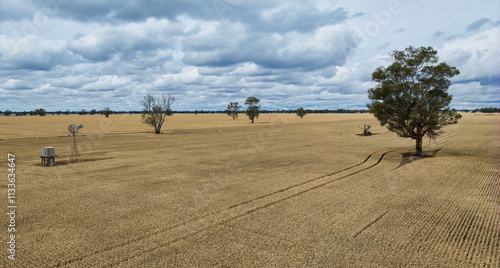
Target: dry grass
(282, 192)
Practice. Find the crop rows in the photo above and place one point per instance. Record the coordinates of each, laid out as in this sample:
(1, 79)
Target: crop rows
(201, 202)
(141, 245)
(459, 220)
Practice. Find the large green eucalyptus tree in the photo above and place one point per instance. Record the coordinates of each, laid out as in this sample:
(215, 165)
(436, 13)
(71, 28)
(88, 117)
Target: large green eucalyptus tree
(411, 96)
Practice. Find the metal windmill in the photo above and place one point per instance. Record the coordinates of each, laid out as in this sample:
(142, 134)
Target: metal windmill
(74, 156)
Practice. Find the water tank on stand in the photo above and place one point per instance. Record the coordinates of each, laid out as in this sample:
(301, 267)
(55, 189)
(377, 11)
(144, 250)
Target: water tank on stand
(48, 156)
(48, 151)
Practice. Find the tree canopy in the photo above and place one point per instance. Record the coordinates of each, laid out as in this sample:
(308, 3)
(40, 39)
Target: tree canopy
(411, 96)
(106, 112)
(301, 112)
(253, 108)
(41, 112)
(232, 110)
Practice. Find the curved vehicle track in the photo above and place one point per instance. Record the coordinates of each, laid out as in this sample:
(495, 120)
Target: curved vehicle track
(155, 240)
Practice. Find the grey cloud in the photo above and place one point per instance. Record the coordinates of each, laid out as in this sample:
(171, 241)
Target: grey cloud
(89, 48)
(16, 10)
(326, 46)
(15, 84)
(384, 46)
(263, 15)
(476, 25)
(128, 41)
(206, 53)
(32, 53)
(298, 17)
(444, 36)
(460, 57)
(117, 11)
(438, 34)
(359, 14)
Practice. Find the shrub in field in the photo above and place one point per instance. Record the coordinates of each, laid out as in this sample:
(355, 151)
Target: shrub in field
(411, 96)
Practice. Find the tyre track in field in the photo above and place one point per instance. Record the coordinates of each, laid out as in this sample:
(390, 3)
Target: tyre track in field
(302, 183)
(153, 240)
(214, 222)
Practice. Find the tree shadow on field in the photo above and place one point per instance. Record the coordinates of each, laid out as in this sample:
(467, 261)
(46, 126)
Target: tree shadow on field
(410, 157)
(371, 134)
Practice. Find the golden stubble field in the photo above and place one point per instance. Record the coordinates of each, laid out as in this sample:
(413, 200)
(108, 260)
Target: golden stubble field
(284, 192)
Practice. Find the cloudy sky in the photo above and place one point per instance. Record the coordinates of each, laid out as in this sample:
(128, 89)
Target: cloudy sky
(61, 54)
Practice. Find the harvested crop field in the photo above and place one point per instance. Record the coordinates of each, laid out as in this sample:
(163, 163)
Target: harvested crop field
(283, 192)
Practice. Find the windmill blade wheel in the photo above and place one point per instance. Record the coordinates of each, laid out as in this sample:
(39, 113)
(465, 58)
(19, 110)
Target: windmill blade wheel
(73, 129)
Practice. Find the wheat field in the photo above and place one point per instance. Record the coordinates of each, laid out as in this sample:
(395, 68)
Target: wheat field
(283, 192)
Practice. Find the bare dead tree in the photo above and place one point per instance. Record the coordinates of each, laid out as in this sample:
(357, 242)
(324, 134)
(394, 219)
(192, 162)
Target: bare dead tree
(366, 129)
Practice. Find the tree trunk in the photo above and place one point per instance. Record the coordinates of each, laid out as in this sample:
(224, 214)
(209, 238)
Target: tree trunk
(252, 120)
(418, 148)
(157, 131)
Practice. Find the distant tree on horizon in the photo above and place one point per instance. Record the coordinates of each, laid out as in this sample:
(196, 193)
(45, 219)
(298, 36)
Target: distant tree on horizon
(487, 110)
(232, 110)
(301, 112)
(156, 109)
(41, 112)
(93, 111)
(253, 108)
(66, 112)
(7, 113)
(411, 96)
(106, 112)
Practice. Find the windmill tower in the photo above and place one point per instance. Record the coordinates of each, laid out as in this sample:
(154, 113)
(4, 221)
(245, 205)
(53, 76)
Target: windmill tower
(74, 156)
